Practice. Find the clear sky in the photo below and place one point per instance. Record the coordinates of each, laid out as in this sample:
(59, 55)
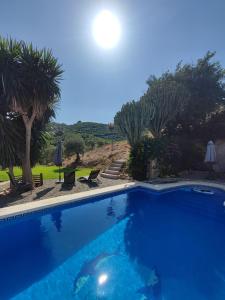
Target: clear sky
(156, 35)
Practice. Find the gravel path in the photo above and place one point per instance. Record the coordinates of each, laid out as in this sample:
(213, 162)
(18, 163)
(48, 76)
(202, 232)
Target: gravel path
(50, 190)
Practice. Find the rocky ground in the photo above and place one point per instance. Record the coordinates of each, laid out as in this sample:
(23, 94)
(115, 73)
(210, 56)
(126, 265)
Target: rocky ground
(50, 190)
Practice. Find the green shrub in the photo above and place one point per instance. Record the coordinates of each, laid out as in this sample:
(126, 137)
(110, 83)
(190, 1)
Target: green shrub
(170, 159)
(137, 166)
(181, 154)
(173, 155)
(192, 154)
(144, 151)
(47, 155)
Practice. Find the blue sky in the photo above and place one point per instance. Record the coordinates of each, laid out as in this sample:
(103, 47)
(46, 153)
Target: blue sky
(156, 35)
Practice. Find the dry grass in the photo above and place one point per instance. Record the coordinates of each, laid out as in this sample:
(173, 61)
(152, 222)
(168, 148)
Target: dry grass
(102, 157)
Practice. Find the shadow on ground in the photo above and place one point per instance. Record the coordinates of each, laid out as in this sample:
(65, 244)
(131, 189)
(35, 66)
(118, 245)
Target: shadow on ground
(42, 193)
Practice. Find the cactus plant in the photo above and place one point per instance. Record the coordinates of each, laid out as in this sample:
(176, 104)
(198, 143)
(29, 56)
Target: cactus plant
(165, 98)
(130, 121)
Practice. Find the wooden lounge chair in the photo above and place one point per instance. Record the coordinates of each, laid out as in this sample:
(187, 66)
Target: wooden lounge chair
(18, 185)
(92, 176)
(38, 180)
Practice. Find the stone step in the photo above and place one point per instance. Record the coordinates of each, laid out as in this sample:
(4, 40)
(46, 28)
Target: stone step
(114, 168)
(112, 172)
(120, 161)
(116, 165)
(109, 176)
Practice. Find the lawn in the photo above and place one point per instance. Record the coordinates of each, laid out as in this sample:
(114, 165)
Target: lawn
(49, 172)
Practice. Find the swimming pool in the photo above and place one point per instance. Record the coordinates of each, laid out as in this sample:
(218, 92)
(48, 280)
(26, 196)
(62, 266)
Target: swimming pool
(135, 244)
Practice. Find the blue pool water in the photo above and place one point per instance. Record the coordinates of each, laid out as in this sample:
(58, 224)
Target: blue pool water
(137, 244)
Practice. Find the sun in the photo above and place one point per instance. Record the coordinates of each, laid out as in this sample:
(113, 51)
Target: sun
(106, 29)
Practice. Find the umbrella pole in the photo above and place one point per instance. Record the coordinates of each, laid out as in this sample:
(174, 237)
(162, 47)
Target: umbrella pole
(59, 175)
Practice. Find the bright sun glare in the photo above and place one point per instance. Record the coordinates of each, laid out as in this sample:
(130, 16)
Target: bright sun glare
(102, 279)
(106, 29)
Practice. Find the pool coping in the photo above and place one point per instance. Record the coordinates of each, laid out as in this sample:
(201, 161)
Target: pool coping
(21, 209)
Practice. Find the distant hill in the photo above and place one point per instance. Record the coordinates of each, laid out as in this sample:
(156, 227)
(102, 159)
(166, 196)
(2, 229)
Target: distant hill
(97, 130)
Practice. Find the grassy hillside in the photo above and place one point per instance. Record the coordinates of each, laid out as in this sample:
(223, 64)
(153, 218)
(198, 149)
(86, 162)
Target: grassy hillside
(97, 130)
(93, 134)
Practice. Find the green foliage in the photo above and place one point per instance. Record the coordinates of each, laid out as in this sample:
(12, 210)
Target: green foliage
(205, 84)
(29, 77)
(213, 127)
(47, 155)
(29, 88)
(49, 172)
(8, 136)
(193, 152)
(202, 119)
(186, 108)
(137, 165)
(39, 77)
(88, 130)
(41, 139)
(130, 122)
(170, 159)
(90, 143)
(73, 146)
(93, 134)
(145, 150)
(164, 99)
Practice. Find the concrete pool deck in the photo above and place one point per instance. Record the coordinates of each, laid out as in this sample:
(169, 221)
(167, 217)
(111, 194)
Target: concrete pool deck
(20, 209)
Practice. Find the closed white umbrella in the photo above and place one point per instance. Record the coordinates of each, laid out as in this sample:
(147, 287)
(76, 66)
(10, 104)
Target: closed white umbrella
(210, 156)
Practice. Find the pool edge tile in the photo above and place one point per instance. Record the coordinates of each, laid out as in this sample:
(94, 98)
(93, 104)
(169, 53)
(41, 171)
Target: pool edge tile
(21, 209)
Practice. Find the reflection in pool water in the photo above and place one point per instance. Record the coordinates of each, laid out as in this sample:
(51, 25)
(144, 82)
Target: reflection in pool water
(136, 245)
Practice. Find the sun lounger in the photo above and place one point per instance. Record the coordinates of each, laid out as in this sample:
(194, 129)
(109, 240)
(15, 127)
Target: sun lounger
(19, 186)
(92, 176)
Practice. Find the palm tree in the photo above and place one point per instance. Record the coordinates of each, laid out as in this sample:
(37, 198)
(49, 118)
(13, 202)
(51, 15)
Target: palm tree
(11, 139)
(7, 150)
(40, 137)
(9, 52)
(30, 85)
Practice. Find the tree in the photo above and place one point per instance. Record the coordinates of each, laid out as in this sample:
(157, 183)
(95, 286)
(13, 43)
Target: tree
(164, 99)
(40, 136)
(7, 145)
(74, 145)
(130, 121)
(30, 85)
(90, 143)
(9, 53)
(203, 116)
(11, 137)
(205, 84)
